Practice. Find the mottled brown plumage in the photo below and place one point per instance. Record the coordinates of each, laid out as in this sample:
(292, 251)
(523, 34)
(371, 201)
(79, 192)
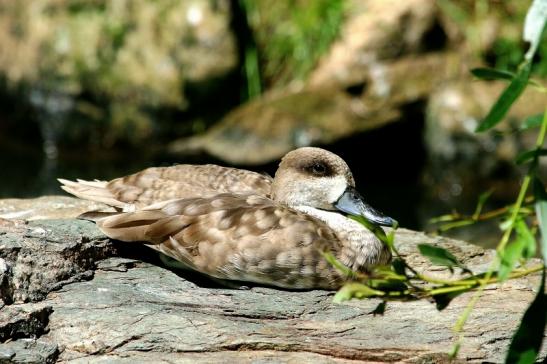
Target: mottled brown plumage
(238, 225)
(158, 184)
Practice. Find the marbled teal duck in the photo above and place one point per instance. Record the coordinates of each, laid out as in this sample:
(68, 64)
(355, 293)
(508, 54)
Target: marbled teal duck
(234, 224)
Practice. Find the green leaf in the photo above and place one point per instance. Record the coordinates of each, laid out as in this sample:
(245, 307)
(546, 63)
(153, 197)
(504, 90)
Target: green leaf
(531, 122)
(529, 155)
(376, 230)
(508, 258)
(440, 256)
(480, 204)
(492, 74)
(506, 224)
(529, 245)
(506, 99)
(336, 264)
(526, 342)
(355, 290)
(541, 213)
(524, 246)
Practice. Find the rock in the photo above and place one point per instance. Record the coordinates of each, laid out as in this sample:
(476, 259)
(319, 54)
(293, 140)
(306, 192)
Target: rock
(131, 309)
(131, 55)
(287, 121)
(46, 207)
(313, 116)
(37, 258)
(23, 321)
(375, 31)
(29, 351)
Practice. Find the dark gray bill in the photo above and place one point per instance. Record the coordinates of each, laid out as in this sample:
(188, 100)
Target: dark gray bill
(351, 202)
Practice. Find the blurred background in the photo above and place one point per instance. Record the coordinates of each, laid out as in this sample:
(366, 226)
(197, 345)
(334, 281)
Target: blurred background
(98, 89)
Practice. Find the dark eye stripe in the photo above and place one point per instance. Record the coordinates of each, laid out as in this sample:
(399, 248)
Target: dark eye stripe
(318, 169)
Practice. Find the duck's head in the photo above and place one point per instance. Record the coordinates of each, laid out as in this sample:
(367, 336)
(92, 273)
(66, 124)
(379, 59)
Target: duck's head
(317, 178)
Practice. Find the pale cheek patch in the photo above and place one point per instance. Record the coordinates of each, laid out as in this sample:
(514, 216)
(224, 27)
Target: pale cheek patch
(337, 186)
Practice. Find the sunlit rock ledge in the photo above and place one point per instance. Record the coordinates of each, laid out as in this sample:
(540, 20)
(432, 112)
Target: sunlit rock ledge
(70, 294)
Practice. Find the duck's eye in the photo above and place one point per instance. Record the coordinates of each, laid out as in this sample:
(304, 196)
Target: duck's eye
(318, 169)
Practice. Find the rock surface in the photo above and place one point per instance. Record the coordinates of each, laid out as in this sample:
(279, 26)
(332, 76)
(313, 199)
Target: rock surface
(70, 294)
(46, 207)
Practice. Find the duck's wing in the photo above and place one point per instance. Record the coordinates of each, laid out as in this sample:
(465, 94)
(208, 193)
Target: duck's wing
(158, 184)
(235, 237)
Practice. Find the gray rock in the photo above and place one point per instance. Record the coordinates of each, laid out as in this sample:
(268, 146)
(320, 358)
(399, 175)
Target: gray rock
(23, 321)
(46, 207)
(29, 351)
(375, 30)
(39, 258)
(131, 309)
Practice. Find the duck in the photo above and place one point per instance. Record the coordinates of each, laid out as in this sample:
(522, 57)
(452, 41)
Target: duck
(237, 225)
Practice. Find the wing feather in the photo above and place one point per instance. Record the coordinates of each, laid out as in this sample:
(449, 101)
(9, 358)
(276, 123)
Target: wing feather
(238, 237)
(157, 184)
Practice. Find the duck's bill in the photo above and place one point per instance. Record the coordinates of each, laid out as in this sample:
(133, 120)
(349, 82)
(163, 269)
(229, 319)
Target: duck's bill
(351, 202)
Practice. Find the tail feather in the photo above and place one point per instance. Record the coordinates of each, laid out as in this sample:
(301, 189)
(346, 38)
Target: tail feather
(91, 190)
(130, 226)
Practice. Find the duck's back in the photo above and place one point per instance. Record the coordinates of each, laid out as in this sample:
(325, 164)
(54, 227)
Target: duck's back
(158, 184)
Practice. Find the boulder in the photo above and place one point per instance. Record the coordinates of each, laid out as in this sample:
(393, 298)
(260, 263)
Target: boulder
(114, 63)
(71, 294)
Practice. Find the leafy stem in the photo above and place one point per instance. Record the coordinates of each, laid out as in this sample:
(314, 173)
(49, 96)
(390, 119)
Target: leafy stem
(505, 238)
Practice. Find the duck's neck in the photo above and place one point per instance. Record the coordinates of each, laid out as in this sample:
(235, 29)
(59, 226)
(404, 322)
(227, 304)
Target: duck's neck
(360, 249)
(336, 221)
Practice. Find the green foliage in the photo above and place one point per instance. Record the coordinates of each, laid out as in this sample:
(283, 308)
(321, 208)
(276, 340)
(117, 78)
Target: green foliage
(356, 290)
(523, 247)
(335, 263)
(508, 53)
(507, 98)
(292, 35)
(441, 256)
(492, 74)
(531, 122)
(530, 155)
